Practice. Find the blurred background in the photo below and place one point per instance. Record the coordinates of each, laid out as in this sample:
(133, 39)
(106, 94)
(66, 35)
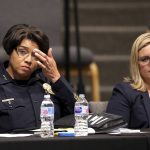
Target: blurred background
(107, 29)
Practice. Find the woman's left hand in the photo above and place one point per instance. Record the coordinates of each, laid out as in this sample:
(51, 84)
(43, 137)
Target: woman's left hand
(48, 64)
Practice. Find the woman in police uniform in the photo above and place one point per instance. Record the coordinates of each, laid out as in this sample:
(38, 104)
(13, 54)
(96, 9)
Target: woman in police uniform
(30, 65)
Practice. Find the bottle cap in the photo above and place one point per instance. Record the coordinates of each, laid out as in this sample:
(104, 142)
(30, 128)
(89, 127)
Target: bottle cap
(81, 95)
(47, 96)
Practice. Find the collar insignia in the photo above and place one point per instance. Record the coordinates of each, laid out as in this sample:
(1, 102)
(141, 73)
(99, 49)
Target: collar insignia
(48, 88)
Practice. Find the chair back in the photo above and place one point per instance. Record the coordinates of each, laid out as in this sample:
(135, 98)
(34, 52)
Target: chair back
(98, 107)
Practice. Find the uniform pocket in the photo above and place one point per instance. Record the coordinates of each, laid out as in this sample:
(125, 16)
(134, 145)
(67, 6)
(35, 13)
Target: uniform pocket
(11, 103)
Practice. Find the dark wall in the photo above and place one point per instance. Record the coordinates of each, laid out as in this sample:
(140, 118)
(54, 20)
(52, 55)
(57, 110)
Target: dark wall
(46, 14)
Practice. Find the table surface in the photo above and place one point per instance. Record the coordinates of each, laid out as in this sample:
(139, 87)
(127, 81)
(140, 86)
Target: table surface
(96, 142)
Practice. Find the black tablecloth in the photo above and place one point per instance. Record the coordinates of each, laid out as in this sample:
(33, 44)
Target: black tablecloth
(91, 142)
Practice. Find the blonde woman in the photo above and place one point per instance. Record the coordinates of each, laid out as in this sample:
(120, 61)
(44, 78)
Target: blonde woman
(131, 98)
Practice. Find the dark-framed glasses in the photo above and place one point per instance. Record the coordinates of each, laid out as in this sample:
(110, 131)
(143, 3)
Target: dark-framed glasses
(24, 53)
(144, 60)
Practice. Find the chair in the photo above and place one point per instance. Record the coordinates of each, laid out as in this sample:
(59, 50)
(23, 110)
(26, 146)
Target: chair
(88, 66)
(98, 107)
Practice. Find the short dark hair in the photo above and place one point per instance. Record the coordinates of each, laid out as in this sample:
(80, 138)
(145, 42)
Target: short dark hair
(17, 33)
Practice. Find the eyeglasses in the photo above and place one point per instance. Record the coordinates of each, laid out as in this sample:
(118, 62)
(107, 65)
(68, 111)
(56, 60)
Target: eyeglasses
(24, 53)
(144, 60)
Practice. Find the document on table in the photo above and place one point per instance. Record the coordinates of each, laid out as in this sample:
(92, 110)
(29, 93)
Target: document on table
(14, 135)
(121, 131)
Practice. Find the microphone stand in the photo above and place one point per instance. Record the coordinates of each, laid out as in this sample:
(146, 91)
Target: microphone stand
(80, 86)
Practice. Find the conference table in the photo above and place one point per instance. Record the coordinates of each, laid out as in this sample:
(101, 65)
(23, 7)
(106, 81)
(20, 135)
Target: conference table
(91, 142)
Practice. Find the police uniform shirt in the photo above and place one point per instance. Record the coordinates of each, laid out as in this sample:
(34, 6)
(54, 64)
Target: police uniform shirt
(20, 101)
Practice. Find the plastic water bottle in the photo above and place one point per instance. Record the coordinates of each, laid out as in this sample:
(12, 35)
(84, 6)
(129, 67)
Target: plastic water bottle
(81, 113)
(47, 117)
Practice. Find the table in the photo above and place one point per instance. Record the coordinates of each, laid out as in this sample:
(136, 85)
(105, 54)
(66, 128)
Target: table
(91, 142)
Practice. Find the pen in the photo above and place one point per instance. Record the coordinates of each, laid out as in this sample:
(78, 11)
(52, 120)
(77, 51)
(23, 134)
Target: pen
(65, 134)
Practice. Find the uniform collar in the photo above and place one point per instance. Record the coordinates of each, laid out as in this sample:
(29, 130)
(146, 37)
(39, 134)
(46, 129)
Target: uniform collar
(4, 76)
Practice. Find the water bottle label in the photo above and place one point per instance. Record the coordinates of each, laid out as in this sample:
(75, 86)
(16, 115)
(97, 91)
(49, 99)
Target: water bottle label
(47, 111)
(81, 109)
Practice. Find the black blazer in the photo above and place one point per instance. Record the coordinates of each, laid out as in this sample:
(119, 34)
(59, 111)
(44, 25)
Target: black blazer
(131, 104)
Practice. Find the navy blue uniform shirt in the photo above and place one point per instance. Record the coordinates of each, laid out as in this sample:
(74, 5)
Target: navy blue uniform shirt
(22, 111)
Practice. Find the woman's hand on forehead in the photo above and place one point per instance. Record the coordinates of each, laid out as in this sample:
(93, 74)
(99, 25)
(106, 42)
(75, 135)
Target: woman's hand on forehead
(48, 64)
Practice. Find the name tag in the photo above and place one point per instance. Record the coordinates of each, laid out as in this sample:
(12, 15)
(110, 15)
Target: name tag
(8, 100)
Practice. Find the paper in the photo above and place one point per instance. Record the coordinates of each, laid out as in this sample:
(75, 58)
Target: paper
(91, 131)
(14, 135)
(124, 131)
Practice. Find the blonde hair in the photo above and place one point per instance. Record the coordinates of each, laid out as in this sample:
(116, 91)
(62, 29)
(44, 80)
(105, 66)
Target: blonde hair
(136, 80)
